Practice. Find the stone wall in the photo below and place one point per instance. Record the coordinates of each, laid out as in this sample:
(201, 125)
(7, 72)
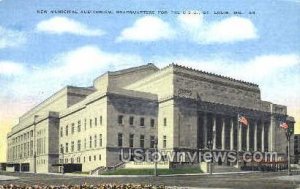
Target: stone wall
(167, 125)
(194, 86)
(86, 113)
(160, 83)
(119, 79)
(127, 107)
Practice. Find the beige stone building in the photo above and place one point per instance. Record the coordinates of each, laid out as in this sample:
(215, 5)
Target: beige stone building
(130, 108)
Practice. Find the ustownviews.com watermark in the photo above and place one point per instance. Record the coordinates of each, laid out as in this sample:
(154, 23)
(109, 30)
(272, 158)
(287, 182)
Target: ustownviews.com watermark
(141, 155)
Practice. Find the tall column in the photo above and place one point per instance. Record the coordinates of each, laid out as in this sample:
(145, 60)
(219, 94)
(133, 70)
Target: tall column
(231, 134)
(239, 134)
(214, 131)
(271, 130)
(223, 134)
(262, 136)
(271, 134)
(205, 130)
(248, 137)
(255, 136)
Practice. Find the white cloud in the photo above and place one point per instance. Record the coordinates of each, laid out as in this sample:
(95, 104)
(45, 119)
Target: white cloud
(89, 59)
(61, 25)
(77, 67)
(11, 68)
(191, 22)
(148, 28)
(11, 38)
(192, 27)
(232, 29)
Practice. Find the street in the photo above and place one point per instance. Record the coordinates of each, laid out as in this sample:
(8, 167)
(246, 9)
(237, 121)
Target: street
(249, 180)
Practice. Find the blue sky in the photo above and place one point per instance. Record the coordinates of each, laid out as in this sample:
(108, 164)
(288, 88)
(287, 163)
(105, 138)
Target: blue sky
(41, 53)
(32, 43)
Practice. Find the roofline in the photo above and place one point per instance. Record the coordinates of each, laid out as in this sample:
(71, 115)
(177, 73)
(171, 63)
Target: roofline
(127, 70)
(132, 69)
(210, 74)
(57, 92)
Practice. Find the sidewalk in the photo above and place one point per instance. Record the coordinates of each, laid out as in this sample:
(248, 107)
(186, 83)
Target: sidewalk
(5, 178)
(132, 176)
(289, 178)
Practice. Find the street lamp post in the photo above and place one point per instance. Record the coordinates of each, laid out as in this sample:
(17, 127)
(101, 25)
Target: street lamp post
(34, 142)
(209, 146)
(20, 164)
(155, 160)
(63, 166)
(288, 133)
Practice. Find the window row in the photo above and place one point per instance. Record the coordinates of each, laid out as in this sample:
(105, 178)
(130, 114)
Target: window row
(20, 151)
(71, 128)
(24, 137)
(78, 159)
(152, 141)
(131, 121)
(93, 141)
(41, 161)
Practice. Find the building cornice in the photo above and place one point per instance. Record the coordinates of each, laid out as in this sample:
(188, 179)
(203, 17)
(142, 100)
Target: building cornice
(212, 74)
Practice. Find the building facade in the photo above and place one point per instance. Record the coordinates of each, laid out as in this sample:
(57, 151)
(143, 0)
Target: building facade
(183, 108)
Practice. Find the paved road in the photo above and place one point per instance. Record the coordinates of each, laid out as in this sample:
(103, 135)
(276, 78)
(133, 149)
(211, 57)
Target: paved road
(253, 180)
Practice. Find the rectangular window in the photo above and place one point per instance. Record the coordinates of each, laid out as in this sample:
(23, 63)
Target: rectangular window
(73, 128)
(164, 141)
(91, 141)
(120, 119)
(142, 141)
(95, 141)
(78, 145)
(131, 140)
(31, 148)
(91, 123)
(96, 122)
(79, 126)
(100, 140)
(84, 143)
(67, 130)
(61, 148)
(72, 146)
(142, 122)
(85, 124)
(100, 120)
(152, 141)
(165, 121)
(131, 119)
(120, 139)
(99, 156)
(67, 148)
(152, 122)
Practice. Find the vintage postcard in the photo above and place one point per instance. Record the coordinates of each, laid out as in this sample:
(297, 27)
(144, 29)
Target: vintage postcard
(149, 94)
